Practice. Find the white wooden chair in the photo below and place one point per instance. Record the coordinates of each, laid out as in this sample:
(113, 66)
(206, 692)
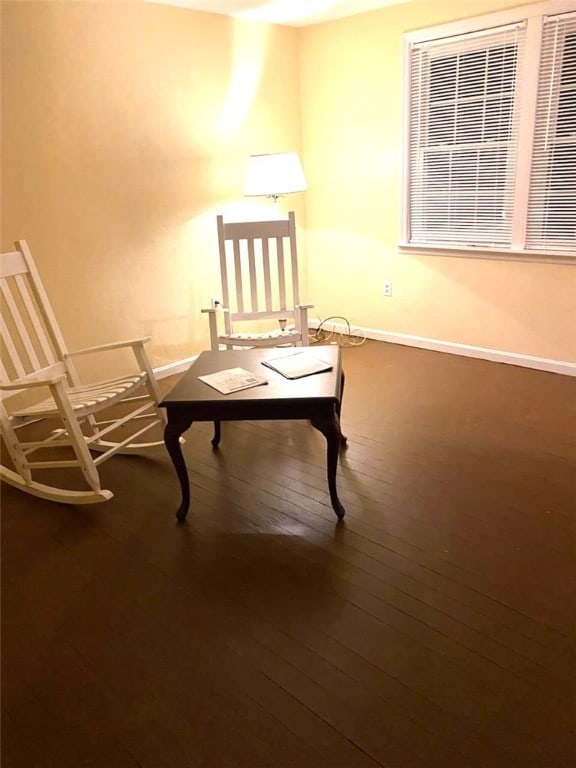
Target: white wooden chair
(77, 418)
(259, 274)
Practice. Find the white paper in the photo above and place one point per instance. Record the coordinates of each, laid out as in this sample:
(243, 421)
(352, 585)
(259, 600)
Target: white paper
(233, 380)
(297, 364)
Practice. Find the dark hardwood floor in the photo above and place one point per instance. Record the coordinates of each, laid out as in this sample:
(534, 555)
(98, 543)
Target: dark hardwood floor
(434, 627)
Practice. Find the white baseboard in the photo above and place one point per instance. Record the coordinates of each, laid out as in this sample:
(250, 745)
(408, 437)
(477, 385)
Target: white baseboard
(435, 345)
(467, 350)
(178, 366)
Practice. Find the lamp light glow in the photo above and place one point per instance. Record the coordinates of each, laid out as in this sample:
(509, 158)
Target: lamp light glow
(273, 175)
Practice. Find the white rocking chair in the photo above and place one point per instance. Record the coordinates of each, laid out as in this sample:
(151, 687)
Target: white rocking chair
(35, 361)
(259, 274)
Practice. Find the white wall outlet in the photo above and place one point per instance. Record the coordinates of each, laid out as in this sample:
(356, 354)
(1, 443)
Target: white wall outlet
(215, 302)
(387, 288)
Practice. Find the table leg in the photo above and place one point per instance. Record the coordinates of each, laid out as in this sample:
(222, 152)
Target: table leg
(217, 434)
(343, 438)
(178, 424)
(330, 428)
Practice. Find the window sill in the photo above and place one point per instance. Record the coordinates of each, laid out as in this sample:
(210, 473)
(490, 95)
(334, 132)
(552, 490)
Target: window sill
(484, 252)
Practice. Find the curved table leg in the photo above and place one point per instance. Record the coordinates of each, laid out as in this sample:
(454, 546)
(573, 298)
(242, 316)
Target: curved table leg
(330, 428)
(217, 434)
(343, 438)
(176, 426)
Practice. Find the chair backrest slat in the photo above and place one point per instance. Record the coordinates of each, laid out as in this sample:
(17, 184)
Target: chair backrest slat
(35, 320)
(11, 350)
(223, 262)
(45, 313)
(12, 263)
(281, 272)
(27, 346)
(294, 258)
(238, 277)
(253, 277)
(266, 273)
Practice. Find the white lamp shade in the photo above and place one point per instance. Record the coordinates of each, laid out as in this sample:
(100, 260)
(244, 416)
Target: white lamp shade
(273, 175)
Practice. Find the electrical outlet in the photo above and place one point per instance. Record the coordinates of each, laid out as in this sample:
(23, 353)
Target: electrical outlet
(215, 302)
(387, 288)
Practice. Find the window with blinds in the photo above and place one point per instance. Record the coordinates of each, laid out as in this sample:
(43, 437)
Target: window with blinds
(552, 207)
(491, 141)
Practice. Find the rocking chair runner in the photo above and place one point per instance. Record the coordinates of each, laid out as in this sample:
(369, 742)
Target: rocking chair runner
(259, 274)
(35, 360)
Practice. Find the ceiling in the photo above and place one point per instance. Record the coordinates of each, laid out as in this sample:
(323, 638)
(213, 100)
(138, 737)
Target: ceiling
(296, 13)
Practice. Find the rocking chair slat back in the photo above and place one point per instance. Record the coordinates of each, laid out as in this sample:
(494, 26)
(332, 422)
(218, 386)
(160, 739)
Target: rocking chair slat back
(253, 276)
(260, 282)
(266, 274)
(35, 318)
(252, 254)
(25, 339)
(281, 273)
(31, 340)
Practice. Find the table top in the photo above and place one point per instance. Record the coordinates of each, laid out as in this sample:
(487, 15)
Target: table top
(317, 388)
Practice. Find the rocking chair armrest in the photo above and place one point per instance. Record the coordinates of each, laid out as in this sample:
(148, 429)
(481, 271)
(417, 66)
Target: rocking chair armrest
(213, 310)
(304, 306)
(28, 382)
(107, 347)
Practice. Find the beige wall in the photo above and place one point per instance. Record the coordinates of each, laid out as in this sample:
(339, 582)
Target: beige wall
(352, 94)
(125, 128)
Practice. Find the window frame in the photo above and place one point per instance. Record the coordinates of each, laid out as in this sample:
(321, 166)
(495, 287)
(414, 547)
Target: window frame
(526, 94)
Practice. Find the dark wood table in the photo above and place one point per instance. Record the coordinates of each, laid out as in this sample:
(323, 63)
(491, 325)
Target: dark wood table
(316, 398)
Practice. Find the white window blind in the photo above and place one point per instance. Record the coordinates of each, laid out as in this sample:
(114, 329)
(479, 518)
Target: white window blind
(552, 201)
(463, 138)
(491, 133)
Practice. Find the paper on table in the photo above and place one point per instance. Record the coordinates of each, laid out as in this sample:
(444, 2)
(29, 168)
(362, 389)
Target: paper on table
(233, 380)
(297, 364)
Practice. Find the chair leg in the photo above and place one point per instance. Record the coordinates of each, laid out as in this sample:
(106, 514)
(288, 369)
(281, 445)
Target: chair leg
(76, 436)
(301, 318)
(151, 383)
(213, 325)
(13, 447)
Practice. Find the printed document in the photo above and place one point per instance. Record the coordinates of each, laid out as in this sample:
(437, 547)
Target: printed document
(233, 380)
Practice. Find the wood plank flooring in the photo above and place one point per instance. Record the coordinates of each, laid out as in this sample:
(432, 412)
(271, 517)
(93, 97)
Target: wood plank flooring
(433, 628)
